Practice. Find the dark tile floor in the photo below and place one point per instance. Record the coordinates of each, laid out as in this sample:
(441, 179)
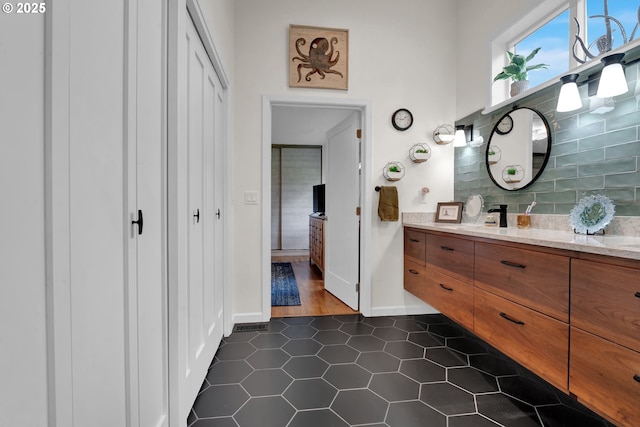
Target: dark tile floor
(399, 371)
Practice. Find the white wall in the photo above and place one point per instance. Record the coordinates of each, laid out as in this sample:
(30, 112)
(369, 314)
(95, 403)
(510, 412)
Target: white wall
(477, 23)
(395, 52)
(23, 399)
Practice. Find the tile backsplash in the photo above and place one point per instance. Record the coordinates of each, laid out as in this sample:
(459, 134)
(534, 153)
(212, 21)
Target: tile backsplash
(591, 153)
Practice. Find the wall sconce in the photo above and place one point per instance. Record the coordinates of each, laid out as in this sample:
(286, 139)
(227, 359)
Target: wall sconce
(463, 135)
(443, 134)
(569, 98)
(612, 79)
(607, 83)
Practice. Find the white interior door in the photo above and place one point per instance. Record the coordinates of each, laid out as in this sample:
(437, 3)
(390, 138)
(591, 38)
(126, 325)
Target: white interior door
(342, 197)
(201, 289)
(147, 285)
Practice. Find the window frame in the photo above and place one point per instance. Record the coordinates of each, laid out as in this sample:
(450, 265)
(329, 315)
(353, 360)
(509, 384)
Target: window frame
(541, 15)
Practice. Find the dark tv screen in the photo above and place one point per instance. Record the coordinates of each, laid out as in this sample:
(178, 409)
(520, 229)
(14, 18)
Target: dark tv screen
(318, 199)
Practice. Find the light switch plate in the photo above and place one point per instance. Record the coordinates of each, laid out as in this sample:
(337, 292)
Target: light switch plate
(250, 197)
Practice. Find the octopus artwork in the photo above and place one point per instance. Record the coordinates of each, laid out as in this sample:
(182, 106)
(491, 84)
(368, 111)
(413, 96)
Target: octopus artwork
(320, 58)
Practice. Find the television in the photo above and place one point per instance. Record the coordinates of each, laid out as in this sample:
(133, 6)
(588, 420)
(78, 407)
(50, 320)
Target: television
(318, 199)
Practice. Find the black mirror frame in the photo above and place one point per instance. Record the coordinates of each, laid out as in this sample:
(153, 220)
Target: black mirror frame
(546, 157)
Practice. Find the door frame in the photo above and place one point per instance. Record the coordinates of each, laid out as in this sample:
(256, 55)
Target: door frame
(364, 107)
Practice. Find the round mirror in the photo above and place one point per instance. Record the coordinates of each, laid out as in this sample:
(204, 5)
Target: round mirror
(518, 148)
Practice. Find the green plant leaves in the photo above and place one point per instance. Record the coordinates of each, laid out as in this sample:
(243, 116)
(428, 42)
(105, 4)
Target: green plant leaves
(517, 69)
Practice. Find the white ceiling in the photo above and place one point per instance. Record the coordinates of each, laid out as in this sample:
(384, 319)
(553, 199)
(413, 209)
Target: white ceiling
(302, 125)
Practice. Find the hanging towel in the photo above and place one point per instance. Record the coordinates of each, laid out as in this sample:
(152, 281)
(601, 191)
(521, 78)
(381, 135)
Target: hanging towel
(388, 204)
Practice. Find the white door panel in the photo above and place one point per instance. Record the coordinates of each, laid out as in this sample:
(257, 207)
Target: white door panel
(342, 200)
(202, 315)
(147, 286)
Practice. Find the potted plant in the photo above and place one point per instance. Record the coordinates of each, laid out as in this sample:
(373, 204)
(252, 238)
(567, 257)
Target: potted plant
(419, 153)
(518, 70)
(394, 171)
(512, 173)
(493, 155)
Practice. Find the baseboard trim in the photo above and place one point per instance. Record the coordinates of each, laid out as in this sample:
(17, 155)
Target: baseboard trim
(403, 310)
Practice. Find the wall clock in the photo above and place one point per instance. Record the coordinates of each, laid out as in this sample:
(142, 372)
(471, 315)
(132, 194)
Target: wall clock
(402, 119)
(505, 125)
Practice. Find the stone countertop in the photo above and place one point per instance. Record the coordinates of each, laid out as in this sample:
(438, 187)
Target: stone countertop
(611, 245)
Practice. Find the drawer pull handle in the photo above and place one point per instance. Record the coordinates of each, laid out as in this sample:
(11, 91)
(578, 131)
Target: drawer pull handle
(412, 271)
(637, 294)
(445, 288)
(446, 248)
(512, 264)
(415, 240)
(636, 377)
(511, 319)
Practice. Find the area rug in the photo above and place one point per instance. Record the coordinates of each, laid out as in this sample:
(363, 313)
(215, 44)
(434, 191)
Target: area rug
(284, 288)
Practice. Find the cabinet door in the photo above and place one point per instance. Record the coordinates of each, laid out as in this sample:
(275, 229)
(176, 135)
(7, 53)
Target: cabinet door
(605, 300)
(606, 377)
(534, 279)
(535, 340)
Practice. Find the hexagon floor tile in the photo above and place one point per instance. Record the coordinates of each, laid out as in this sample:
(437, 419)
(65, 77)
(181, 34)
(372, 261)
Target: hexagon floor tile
(389, 371)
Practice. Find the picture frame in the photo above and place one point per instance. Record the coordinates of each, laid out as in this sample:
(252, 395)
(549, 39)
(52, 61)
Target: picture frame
(449, 212)
(318, 57)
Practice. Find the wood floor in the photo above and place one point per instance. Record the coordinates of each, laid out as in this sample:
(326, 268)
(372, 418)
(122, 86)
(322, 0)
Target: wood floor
(315, 300)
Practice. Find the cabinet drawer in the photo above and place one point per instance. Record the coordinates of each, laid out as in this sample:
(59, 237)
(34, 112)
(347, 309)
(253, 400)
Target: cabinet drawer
(415, 277)
(606, 377)
(535, 279)
(605, 300)
(451, 256)
(535, 340)
(451, 297)
(414, 245)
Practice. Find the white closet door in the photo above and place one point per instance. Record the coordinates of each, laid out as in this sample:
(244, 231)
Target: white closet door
(200, 315)
(147, 284)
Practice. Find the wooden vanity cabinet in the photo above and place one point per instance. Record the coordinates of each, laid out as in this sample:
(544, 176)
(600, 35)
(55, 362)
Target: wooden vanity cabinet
(570, 317)
(604, 364)
(535, 279)
(535, 340)
(415, 246)
(450, 256)
(439, 270)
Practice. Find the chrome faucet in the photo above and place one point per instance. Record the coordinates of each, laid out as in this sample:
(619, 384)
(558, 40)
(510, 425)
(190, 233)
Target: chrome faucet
(503, 214)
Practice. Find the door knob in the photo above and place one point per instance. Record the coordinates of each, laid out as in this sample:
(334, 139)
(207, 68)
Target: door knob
(197, 215)
(218, 214)
(139, 221)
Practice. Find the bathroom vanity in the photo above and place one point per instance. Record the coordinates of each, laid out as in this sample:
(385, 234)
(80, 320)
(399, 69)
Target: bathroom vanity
(565, 306)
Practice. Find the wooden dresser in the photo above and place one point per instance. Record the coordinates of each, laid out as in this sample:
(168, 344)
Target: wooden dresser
(316, 241)
(571, 317)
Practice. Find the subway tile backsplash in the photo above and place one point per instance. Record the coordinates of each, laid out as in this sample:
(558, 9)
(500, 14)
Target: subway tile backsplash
(590, 154)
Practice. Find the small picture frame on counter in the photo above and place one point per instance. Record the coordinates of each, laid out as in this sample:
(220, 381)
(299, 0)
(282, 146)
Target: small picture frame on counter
(449, 212)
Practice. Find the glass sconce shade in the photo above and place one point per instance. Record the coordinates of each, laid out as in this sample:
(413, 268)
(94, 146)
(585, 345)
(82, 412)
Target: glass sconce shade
(569, 98)
(460, 139)
(612, 79)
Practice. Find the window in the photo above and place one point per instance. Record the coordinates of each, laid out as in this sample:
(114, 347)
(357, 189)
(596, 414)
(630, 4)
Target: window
(625, 12)
(553, 38)
(552, 27)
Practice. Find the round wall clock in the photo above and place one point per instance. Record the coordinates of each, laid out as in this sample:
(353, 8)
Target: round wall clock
(505, 125)
(402, 119)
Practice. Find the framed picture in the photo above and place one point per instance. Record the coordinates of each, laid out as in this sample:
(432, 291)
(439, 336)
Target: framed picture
(318, 57)
(450, 212)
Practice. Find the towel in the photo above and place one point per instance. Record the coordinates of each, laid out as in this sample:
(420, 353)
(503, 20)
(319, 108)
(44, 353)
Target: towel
(388, 204)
